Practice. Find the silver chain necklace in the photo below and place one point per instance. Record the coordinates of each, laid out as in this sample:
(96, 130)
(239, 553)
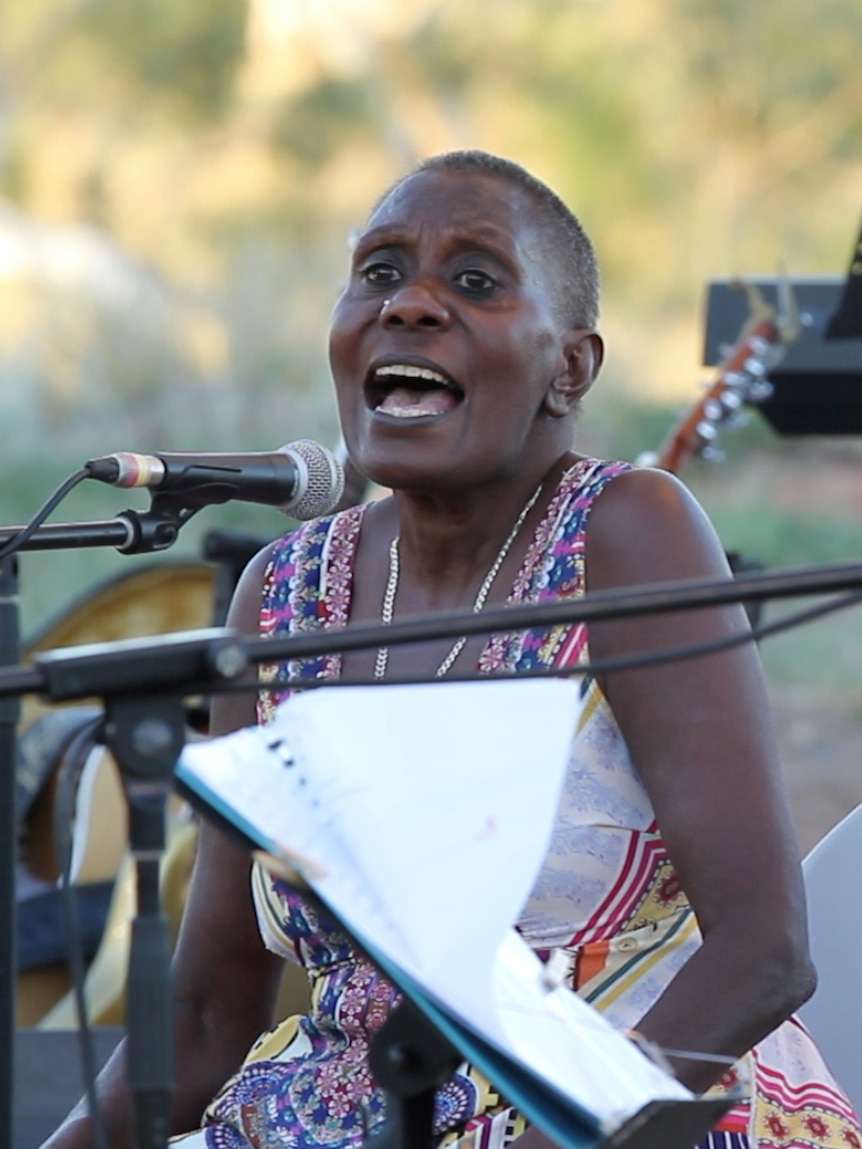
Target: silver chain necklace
(386, 611)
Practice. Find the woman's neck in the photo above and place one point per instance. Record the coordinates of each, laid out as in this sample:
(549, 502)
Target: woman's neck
(447, 546)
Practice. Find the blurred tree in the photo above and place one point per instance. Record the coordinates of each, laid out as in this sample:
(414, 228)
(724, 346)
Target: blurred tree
(694, 139)
(187, 51)
(314, 125)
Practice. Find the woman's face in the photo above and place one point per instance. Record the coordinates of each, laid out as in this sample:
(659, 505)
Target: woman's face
(444, 343)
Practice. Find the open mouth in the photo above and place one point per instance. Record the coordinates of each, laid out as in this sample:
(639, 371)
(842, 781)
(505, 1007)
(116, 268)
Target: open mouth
(407, 391)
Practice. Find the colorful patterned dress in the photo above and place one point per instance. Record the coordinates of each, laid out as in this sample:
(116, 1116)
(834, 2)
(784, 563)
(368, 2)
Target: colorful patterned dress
(607, 897)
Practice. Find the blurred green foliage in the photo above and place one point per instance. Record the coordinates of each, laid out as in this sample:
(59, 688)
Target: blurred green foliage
(314, 125)
(188, 52)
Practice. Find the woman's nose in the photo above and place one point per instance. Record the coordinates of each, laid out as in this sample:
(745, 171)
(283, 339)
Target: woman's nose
(414, 306)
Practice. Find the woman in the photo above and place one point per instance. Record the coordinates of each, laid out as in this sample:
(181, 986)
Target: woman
(460, 349)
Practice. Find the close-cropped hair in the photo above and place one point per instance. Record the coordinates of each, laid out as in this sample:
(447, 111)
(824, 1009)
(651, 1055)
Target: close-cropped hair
(567, 243)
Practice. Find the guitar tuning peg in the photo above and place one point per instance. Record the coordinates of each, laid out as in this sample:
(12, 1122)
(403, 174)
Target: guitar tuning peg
(754, 368)
(736, 420)
(705, 431)
(712, 455)
(731, 401)
(713, 410)
(759, 345)
(760, 391)
(646, 459)
(735, 380)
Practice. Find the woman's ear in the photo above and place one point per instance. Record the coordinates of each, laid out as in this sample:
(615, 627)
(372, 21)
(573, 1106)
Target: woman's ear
(583, 353)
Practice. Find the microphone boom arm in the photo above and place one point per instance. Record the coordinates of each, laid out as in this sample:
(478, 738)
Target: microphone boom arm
(131, 532)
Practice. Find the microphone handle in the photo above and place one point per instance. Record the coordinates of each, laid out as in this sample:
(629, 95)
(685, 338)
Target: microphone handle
(267, 479)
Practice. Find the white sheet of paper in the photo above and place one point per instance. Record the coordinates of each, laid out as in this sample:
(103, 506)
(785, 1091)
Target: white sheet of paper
(242, 778)
(447, 794)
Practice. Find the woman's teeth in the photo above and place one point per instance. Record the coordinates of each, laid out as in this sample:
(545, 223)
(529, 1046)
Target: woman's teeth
(409, 371)
(407, 401)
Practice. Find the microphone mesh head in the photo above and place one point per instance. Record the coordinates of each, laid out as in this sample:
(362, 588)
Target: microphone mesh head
(321, 482)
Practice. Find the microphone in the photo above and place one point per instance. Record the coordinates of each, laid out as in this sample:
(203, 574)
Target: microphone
(302, 479)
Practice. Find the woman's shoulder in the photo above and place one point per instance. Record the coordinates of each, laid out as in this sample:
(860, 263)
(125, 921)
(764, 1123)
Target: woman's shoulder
(587, 476)
(578, 489)
(647, 520)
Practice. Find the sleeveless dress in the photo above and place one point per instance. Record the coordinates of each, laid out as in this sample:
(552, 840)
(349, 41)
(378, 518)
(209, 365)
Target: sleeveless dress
(607, 899)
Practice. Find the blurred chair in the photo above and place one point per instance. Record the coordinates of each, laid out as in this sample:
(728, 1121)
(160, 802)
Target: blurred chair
(833, 874)
(160, 598)
(100, 864)
(98, 843)
(105, 982)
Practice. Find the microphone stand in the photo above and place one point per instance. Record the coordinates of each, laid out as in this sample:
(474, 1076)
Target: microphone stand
(411, 1060)
(131, 532)
(142, 684)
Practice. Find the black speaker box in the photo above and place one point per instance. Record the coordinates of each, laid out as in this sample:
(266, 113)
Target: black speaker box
(817, 386)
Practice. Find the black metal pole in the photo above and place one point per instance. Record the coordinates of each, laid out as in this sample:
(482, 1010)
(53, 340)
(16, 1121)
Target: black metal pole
(619, 602)
(10, 713)
(52, 536)
(132, 532)
(411, 1060)
(146, 735)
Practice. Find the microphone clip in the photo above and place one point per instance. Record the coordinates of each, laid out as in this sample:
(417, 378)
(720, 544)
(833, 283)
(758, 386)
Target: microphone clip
(156, 529)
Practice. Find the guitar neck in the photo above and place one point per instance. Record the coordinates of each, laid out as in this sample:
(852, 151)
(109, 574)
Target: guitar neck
(738, 374)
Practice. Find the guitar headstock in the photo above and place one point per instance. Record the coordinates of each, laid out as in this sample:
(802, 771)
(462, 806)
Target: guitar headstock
(742, 377)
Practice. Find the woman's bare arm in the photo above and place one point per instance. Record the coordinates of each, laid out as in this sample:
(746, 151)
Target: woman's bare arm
(700, 733)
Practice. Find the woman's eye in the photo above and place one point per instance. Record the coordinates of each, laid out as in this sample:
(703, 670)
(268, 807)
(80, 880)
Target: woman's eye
(478, 282)
(380, 273)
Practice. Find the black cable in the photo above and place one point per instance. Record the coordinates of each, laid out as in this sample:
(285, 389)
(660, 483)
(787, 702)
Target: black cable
(68, 779)
(600, 666)
(611, 604)
(27, 532)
